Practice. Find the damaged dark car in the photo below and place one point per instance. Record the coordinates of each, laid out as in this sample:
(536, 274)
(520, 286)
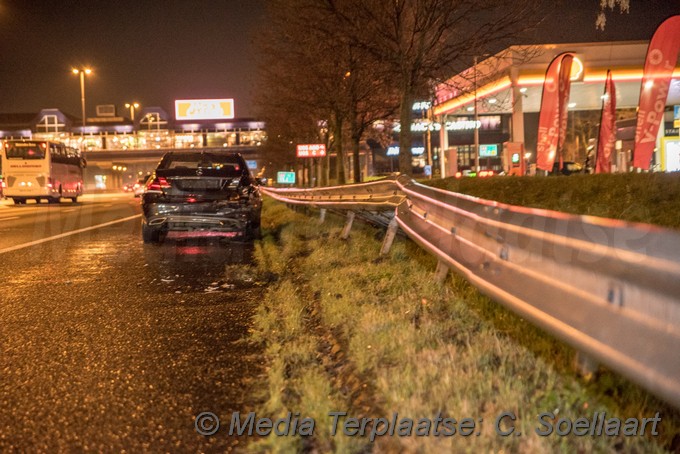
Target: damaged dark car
(201, 194)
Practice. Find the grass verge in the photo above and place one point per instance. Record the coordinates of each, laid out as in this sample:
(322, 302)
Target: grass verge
(346, 331)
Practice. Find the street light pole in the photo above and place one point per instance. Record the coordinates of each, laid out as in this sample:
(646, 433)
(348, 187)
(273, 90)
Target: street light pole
(82, 72)
(132, 107)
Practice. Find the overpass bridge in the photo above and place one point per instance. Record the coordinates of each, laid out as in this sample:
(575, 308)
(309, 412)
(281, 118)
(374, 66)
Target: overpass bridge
(111, 169)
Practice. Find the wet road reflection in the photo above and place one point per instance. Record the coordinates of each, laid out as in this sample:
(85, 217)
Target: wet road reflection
(107, 344)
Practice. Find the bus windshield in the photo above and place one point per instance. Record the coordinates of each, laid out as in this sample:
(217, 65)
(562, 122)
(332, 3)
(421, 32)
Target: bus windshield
(27, 150)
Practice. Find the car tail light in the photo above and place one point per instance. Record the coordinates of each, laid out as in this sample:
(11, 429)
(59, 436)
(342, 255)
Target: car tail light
(158, 184)
(459, 174)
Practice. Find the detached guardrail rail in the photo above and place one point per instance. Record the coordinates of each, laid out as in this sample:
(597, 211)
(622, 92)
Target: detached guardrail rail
(609, 288)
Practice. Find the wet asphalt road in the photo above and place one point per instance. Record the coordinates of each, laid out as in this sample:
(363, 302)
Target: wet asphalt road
(107, 344)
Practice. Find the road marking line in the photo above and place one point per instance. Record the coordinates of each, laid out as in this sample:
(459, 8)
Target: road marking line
(65, 234)
(8, 219)
(69, 210)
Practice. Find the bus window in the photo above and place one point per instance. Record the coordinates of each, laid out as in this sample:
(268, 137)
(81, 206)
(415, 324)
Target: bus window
(58, 154)
(25, 151)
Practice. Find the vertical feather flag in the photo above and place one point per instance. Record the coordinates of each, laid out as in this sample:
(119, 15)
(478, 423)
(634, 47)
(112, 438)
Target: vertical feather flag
(662, 55)
(552, 122)
(607, 137)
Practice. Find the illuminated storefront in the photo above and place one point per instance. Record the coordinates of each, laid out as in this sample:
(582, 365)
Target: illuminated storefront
(153, 129)
(114, 144)
(510, 83)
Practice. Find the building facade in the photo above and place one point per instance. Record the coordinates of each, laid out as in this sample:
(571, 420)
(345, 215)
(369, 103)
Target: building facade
(509, 85)
(152, 129)
(120, 151)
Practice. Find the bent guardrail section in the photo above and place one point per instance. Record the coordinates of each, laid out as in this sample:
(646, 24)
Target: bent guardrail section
(609, 288)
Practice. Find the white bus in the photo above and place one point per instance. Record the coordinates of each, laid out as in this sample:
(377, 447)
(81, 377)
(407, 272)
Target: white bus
(41, 170)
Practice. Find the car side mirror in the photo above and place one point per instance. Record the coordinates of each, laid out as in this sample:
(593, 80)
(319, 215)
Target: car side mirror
(262, 181)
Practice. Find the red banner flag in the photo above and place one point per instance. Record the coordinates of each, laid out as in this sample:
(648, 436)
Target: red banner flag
(662, 55)
(552, 122)
(607, 137)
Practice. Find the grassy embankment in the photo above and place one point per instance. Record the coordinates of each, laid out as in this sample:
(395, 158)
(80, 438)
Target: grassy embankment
(653, 198)
(346, 331)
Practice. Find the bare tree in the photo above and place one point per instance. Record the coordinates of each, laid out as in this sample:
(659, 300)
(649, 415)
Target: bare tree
(311, 71)
(298, 85)
(418, 41)
(369, 99)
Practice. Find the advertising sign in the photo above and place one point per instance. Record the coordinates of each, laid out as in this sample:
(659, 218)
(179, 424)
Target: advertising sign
(314, 150)
(515, 151)
(204, 109)
(488, 151)
(285, 177)
(392, 150)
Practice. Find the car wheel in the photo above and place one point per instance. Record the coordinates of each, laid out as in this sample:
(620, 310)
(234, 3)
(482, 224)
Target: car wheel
(150, 234)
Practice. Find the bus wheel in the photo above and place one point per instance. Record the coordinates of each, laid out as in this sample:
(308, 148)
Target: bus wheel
(18, 201)
(74, 199)
(53, 200)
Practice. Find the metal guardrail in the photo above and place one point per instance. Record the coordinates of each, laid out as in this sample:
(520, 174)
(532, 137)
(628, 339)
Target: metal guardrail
(379, 195)
(609, 288)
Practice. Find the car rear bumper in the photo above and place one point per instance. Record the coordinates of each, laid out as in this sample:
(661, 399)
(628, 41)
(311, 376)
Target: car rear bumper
(201, 217)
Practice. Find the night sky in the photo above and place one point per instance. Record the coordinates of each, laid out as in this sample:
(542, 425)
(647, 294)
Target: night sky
(154, 52)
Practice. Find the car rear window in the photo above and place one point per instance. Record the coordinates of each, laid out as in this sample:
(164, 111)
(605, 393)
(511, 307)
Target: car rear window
(226, 163)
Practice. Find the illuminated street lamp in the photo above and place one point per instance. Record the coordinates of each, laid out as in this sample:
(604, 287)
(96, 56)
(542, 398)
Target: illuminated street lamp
(132, 107)
(82, 72)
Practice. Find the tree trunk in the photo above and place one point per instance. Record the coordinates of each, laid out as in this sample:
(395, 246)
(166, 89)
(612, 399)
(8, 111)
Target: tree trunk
(356, 139)
(357, 161)
(340, 152)
(405, 134)
(327, 169)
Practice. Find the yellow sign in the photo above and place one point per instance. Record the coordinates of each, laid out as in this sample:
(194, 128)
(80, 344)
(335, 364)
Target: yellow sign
(204, 109)
(676, 123)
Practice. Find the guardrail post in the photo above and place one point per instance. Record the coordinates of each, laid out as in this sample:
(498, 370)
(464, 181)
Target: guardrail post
(348, 225)
(322, 215)
(392, 229)
(441, 272)
(585, 365)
